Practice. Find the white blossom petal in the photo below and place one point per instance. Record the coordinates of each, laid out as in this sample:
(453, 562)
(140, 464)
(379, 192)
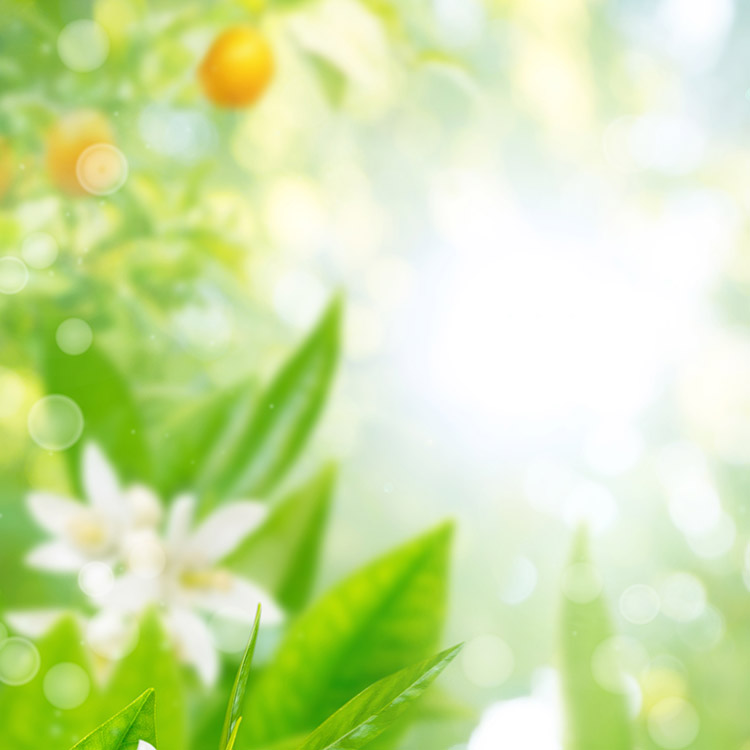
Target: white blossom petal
(57, 556)
(53, 512)
(33, 623)
(195, 644)
(226, 527)
(111, 634)
(130, 593)
(101, 485)
(240, 595)
(144, 506)
(179, 521)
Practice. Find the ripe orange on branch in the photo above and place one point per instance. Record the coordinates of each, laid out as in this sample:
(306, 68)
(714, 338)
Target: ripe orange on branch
(69, 137)
(237, 68)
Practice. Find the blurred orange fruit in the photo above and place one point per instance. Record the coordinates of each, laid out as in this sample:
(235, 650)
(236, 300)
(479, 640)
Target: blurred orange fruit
(6, 166)
(237, 67)
(69, 137)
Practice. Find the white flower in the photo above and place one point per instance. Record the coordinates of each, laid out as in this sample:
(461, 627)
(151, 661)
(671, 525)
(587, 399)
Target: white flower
(176, 572)
(85, 532)
(180, 574)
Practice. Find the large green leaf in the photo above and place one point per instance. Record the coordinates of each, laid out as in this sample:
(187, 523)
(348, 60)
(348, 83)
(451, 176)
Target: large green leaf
(152, 664)
(282, 555)
(110, 415)
(596, 716)
(237, 697)
(28, 720)
(284, 416)
(370, 625)
(366, 715)
(125, 730)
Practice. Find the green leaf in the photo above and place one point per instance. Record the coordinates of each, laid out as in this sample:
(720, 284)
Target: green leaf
(364, 717)
(596, 717)
(25, 709)
(282, 555)
(125, 730)
(237, 698)
(370, 625)
(152, 664)
(283, 419)
(110, 416)
(194, 429)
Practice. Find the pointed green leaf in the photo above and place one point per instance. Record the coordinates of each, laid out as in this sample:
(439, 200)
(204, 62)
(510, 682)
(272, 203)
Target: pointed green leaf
(152, 664)
(64, 675)
(110, 415)
(283, 419)
(125, 730)
(596, 717)
(237, 698)
(282, 555)
(370, 625)
(366, 715)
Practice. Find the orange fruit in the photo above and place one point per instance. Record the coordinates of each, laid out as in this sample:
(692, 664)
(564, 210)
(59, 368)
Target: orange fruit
(69, 137)
(6, 166)
(237, 68)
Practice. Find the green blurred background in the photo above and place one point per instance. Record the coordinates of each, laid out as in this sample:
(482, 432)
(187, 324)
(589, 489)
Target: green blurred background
(537, 214)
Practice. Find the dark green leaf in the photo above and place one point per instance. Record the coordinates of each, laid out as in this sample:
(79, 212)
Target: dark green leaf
(596, 717)
(286, 412)
(370, 625)
(282, 556)
(125, 730)
(237, 698)
(364, 717)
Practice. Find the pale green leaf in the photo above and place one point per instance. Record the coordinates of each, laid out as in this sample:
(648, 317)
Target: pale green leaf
(596, 717)
(269, 441)
(282, 555)
(125, 730)
(237, 697)
(364, 717)
(370, 625)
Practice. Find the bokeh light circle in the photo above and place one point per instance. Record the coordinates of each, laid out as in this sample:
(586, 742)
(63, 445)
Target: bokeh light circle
(13, 275)
(487, 661)
(39, 250)
(74, 336)
(639, 604)
(19, 661)
(673, 723)
(66, 685)
(83, 45)
(102, 169)
(55, 422)
(683, 597)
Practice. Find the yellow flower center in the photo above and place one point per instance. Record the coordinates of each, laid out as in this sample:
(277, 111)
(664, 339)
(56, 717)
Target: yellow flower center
(88, 532)
(207, 579)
